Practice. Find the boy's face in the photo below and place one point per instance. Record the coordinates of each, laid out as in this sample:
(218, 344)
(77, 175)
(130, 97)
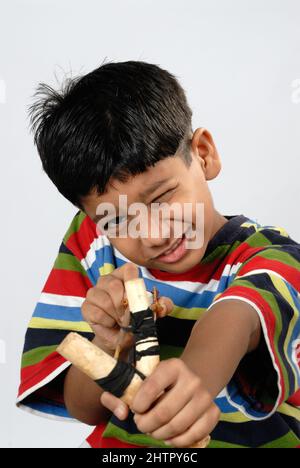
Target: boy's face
(169, 181)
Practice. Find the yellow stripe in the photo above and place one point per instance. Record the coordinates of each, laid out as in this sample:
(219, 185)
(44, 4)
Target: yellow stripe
(194, 313)
(37, 322)
(236, 417)
(289, 410)
(247, 225)
(283, 289)
(106, 269)
(281, 231)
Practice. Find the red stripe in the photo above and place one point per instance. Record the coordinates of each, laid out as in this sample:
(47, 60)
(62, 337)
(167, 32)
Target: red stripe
(205, 272)
(270, 321)
(290, 274)
(96, 440)
(67, 283)
(295, 399)
(32, 375)
(79, 242)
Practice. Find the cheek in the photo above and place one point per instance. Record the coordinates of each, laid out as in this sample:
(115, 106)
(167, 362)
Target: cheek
(128, 247)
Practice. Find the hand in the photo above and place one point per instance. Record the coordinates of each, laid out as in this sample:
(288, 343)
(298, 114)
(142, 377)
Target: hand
(103, 307)
(183, 414)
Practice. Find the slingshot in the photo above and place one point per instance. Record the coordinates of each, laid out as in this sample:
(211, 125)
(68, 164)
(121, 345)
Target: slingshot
(120, 378)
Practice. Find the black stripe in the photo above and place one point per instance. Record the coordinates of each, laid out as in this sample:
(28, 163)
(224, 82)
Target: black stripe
(229, 233)
(36, 337)
(253, 433)
(64, 249)
(275, 237)
(173, 331)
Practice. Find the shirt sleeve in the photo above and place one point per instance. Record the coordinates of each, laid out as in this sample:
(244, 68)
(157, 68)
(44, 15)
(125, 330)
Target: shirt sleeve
(58, 311)
(270, 375)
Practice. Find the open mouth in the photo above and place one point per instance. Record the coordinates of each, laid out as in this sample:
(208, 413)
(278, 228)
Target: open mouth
(175, 253)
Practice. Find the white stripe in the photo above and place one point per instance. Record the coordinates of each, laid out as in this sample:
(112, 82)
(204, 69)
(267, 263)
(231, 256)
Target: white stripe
(295, 357)
(85, 444)
(195, 287)
(60, 300)
(97, 244)
(265, 332)
(43, 382)
(46, 415)
(143, 346)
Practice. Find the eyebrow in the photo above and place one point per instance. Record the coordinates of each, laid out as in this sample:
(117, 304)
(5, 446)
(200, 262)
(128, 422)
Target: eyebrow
(153, 187)
(145, 193)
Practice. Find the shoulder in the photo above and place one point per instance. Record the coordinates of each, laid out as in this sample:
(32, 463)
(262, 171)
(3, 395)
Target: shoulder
(255, 238)
(83, 238)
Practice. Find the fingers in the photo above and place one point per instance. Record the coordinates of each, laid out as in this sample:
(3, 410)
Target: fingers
(197, 431)
(186, 417)
(94, 315)
(115, 405)
(162, 377)
(126, 272)
(178, 408)
(108, 336)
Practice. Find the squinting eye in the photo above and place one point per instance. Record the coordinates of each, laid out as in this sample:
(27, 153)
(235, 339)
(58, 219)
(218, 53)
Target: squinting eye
(115, 222)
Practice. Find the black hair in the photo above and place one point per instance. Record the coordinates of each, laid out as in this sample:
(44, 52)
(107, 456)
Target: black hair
(113, 122)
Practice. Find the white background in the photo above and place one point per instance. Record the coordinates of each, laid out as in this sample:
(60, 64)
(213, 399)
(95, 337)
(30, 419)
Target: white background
(237, 60)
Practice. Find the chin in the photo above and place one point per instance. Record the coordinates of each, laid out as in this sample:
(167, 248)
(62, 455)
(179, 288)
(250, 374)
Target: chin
(182, 265)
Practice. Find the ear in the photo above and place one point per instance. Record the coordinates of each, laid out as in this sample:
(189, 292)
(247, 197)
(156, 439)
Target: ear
(203, 148)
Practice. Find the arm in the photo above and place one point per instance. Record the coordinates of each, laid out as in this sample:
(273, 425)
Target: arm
(186, 411)
(228, 331)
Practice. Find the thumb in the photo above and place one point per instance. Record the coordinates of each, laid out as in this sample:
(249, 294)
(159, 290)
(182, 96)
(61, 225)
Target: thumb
(166, 305)
(115, 405)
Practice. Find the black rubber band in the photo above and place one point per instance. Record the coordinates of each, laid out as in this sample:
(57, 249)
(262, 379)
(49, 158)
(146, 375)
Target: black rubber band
(119, 379)
(153, 351)
(142, 325)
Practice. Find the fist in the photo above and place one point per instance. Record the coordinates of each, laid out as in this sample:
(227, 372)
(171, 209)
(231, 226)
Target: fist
(103, 307)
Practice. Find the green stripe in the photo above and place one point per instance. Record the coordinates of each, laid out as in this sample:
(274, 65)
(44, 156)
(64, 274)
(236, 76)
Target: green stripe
(281, 256)
(168, 352)
(220, 444)
(257, 239)
(112, 430)
(218, 253)
(193, 313)
(75, 225)
(36, 355)
(289, 440)
(69, 262)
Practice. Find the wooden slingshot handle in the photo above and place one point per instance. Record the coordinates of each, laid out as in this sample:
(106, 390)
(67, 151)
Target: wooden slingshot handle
(98, 365)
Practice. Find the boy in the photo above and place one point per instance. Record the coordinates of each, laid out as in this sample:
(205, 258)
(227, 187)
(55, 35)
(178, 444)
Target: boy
(229, 325)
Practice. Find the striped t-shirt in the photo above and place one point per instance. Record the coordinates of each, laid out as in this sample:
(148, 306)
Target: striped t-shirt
(260, 406)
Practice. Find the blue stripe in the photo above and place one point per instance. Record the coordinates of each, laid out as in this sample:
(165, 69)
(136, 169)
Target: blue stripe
(56, 312)
(225, 406)
(103, 255)
(48, 408)
(248, 404)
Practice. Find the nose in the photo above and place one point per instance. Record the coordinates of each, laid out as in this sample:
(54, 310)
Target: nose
(156, 233)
